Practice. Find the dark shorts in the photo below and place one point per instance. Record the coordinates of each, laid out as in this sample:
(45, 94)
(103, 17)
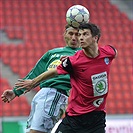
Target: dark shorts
(93, 122)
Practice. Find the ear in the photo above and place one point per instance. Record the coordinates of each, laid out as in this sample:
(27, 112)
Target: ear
(64, 35)
(96, 38)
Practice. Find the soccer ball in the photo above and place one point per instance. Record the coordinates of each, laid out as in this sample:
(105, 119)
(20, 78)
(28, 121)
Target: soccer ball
(77, 15)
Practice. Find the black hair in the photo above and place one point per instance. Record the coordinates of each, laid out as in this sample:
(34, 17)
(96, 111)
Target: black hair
(95, 30)
(68, 26)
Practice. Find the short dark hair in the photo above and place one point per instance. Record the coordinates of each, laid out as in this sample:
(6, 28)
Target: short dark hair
(95, 30)
(67, 26)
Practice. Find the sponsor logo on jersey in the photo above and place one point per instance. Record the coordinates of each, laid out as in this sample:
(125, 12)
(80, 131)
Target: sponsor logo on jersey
(54, 64)
(100, 84)
(98, 76)
(98, 102)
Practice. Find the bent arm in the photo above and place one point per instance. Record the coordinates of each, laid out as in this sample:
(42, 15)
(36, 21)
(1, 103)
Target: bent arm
(32, 83)
(39, 68)
(44, 76)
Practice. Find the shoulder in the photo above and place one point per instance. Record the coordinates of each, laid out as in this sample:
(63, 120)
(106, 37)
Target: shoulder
(109, 50)
(78, 53)
(74, 58)
(62, 49)
(56, 49)
(51, 52)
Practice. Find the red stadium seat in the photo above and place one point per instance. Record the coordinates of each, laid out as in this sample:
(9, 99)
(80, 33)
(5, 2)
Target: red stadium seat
(40, 25)
(13, 108)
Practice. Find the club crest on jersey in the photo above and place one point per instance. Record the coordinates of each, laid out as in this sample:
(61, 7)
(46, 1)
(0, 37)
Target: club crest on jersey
(106, 60)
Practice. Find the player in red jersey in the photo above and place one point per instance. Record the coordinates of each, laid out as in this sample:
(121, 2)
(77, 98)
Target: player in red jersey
(89, 72)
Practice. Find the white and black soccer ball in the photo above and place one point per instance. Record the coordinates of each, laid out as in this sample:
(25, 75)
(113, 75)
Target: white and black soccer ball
(77, 15)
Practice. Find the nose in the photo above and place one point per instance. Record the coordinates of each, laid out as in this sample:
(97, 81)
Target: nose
(81, 37)
(74, 37)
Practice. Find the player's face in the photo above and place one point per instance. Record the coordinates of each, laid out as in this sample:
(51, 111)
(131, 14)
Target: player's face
(71, 38)
(85, 38)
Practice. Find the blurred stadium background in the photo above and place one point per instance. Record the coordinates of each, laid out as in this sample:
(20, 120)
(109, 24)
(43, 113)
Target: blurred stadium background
(28, 28)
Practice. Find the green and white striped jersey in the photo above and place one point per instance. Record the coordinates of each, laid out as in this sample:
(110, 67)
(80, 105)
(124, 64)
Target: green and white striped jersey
(50, 60)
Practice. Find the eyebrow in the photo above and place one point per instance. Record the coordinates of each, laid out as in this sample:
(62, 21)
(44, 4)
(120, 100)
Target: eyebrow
(84, 32)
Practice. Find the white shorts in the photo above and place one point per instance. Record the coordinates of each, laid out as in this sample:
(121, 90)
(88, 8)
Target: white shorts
(47, 107)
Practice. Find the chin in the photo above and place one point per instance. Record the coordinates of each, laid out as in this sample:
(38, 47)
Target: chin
(82, 47)
(74, 46)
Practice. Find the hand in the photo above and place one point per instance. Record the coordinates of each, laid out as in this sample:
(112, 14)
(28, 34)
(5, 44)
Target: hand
(63, 58)
(8, 95)
(24, 84)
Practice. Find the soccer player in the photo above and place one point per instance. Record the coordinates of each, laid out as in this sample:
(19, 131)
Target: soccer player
(89, 72)
(50, 102)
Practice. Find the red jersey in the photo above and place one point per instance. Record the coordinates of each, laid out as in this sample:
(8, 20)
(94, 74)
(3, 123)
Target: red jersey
(89, 80)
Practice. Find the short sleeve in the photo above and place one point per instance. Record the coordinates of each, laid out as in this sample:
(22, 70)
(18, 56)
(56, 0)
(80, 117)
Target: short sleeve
(60, 70)
(65, 67)
(113, 50)
(110, 51)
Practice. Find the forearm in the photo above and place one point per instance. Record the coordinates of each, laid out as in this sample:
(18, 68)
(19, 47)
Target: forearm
(44, 76)
(31, 75)
(18, 92)
(37, 70)
(32, 83)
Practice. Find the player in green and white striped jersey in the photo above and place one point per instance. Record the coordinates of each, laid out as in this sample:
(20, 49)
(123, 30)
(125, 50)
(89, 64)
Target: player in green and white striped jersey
(50, 102)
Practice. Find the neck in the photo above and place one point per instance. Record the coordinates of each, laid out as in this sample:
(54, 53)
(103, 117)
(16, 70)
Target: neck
(92, 53)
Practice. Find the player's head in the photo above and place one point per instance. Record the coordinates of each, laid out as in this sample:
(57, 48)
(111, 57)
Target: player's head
(71, 36)
(94, 29)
